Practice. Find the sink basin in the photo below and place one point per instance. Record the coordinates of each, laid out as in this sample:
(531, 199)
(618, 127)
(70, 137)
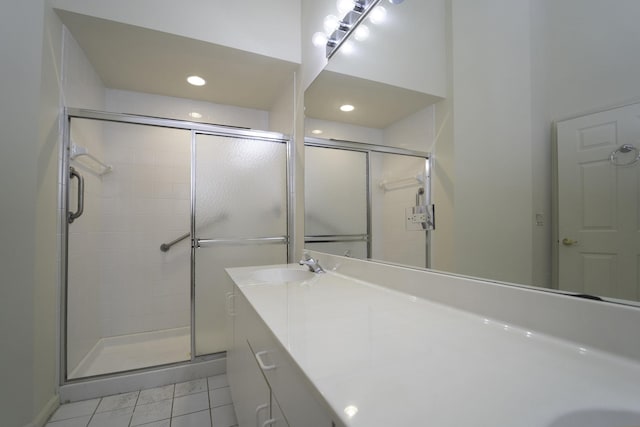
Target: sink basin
(598, 418)
(282, 275)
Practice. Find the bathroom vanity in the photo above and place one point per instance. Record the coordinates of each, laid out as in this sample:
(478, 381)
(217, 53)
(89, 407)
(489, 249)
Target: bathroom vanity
(372, 345)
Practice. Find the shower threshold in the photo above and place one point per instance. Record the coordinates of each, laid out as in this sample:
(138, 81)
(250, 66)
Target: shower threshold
(135, 351)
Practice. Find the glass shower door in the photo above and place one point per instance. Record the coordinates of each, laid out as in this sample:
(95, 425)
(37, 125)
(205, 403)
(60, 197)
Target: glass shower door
(127, 301)
(240, 219)
(336, 201)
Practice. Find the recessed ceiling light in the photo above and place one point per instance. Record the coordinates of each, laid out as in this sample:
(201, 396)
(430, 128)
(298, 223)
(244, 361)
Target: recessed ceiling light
(316, 131)
(195, 115)
(347, 107)
(196, 80)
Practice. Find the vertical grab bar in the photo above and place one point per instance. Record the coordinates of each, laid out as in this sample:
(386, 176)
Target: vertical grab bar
(72, 216)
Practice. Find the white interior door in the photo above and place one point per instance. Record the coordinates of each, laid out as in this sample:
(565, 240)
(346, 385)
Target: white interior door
(598, 204)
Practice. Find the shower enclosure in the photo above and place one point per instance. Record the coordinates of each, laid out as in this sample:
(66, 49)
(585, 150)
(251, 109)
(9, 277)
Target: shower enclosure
(368, 201)
(153, 211)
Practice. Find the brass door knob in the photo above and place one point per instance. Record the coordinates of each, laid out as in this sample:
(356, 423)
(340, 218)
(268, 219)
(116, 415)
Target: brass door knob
(569, 242)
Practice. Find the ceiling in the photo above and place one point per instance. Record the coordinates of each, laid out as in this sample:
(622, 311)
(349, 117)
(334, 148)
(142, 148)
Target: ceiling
(138, 59)
(377, 105)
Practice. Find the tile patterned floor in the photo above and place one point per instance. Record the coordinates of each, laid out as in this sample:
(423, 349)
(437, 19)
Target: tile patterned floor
(205, 402)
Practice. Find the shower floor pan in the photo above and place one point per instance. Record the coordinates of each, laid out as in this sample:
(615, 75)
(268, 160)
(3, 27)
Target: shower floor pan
(135, 351)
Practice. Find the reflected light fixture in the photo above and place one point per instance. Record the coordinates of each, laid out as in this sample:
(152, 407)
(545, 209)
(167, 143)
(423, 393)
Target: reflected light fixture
(344, 6)
(361, 33)
(395, 1)
(196, 80)
(316, 132)
(195, 115)
(378, 15)
(352, 13)
(347, 107)
(319, 39)
(347, 47)
(330, 24)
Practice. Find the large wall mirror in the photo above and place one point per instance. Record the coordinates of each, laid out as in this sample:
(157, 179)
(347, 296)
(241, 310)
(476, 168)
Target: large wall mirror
(529, 110)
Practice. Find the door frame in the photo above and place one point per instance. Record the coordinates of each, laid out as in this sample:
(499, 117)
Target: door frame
(555, 202)
(63, 204)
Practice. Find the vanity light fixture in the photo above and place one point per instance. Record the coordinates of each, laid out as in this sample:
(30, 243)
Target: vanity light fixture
(361, 33)
(196, 80)
(331, 24)
(347, 47)
(319, 39)
(347, 108)
(338, 30)
(344, 6)
(378, 15)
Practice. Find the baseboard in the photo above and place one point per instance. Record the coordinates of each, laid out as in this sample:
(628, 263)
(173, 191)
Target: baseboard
(123, 383)
(45, 413)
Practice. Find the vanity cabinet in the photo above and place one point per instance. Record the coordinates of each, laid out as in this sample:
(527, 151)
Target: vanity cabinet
(266, 387)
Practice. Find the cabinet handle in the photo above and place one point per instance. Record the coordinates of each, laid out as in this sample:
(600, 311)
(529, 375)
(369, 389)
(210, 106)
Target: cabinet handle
(261, 363)
(230, 303)
(258, 410)
(270, 422)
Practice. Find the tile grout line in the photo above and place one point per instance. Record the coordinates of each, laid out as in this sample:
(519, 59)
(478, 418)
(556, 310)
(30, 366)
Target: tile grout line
(172, 401)
(94, 411)
(209, 402)
(135, 405)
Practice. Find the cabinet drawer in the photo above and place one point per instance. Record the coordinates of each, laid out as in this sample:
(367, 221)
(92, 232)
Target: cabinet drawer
(295, 395)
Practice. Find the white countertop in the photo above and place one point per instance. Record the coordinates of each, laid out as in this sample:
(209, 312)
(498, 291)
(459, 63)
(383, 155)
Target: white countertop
(406, 361)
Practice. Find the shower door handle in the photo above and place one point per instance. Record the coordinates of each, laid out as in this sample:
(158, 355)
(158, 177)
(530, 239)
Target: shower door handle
(72, 216)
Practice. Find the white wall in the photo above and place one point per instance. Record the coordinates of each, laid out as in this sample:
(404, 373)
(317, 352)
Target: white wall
(585, 60)
(28, 154)
(268, 28)
(492, 134)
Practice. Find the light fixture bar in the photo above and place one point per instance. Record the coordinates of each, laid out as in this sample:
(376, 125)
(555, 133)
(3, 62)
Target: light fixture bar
(348, 24)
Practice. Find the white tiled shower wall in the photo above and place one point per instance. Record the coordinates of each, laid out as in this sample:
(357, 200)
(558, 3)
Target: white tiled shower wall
(145, 202)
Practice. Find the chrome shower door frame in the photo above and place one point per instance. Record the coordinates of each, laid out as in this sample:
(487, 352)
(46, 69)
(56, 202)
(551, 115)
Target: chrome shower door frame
(63, 203)
(368, 149)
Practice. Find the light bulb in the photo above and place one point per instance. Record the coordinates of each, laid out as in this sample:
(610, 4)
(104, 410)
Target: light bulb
(319, 39)
(330, 24)
(361, 33)
(195, 115)
(378, 15)
(347, 107)
(347, 47)
(344, 6)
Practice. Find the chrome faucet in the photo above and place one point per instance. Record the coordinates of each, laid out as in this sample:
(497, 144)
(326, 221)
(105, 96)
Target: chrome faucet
(313, 264)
